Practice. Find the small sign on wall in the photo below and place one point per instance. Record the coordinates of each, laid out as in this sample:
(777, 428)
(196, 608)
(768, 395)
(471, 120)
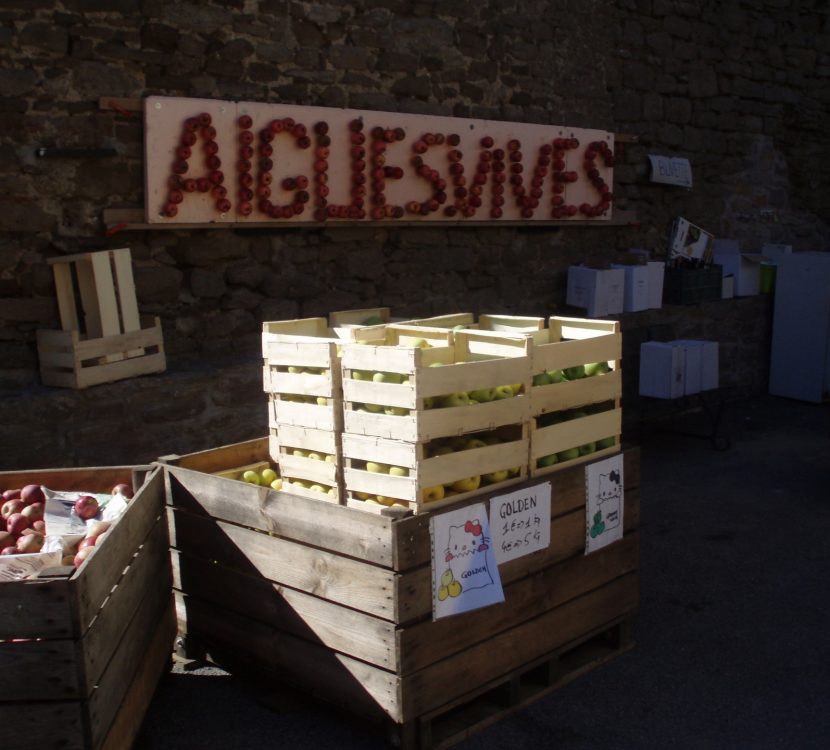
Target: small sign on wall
(604, 503)
(671, 170)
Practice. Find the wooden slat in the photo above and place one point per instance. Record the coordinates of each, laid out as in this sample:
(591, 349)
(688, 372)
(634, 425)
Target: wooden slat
(142, 686)
(49, 668)
(360, 535)
(89, 299)
(128, 368)
(443, 681)
(105, 294)
(128, 303)
(350, 683)
(311, 618)
(219, 459)
(357, 584)
(66, 296)
(149, 568)
(44, 725)
(526, 598)
(104, 567)
(130, 654)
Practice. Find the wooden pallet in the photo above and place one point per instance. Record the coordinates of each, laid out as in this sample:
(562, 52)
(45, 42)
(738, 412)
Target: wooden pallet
(338, 603)
(94, 640)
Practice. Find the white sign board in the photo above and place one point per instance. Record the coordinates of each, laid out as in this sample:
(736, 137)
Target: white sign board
(465, 574)
(604, 503)
(670, 170)
(520, 522)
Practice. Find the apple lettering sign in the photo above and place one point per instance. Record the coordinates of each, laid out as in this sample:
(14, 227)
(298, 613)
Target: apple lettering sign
(278, 162)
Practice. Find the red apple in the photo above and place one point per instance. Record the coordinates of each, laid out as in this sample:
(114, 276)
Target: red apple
(39, 526)
(86, 507)
(82, 555)
(29, 544)
(16, 523)
(11, 494)
(9, 551)
(88, 541)
(6, 540)
(33, 512)
(10, 507)
(96, 528)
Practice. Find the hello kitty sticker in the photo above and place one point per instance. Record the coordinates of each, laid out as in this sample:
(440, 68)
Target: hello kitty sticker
(604, 503)
(465, 575)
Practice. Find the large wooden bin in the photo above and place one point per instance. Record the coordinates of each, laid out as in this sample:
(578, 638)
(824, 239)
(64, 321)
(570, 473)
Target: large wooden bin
(337, 601)
(82, 650)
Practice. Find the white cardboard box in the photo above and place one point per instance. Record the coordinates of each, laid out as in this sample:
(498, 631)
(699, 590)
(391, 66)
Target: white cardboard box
(727, 287)
(656, 275)
(662, 371)
(599, 291)
(635, 290)
(745, 267)
(702, 363)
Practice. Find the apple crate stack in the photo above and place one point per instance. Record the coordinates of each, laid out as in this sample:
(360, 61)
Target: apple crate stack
(432, 416)
(302, 376)
(83, 648)
(575, 412)
(485, 322)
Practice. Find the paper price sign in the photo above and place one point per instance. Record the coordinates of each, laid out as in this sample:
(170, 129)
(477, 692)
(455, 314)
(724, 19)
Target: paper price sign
(520, 522)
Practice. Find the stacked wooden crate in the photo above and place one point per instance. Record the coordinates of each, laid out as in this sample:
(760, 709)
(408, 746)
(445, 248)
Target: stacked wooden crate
(575, 410)
(432, 416)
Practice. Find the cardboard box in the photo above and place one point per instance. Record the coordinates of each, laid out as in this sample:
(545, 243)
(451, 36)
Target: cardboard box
(656, 274)
(635, 287)
(745, 267)
(701, 363)
(662, 371)
(600, 291)
(728, 287)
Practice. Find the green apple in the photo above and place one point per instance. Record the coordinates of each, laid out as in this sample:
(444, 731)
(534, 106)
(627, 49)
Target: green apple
(606, 442)
(299, 452)
(374, 408)
(542, 378)
(502, 391)
(396, 411)
(322, 401)
(556, 376)
(251, 477)
(377, 468)
(300, 483)
(398, 471)
(455, 399)
(490, 439)
(548, 460)
(472, 443)
(373, 320)
(515, 471)
(295, 369)
(276, 484)
(318, 488)
(588, 448)
(429, 402)
(468, 484)
(496, 476)
(362, 375)
(459, 327)
(575, 373)
(315, 455)
(387, 377)
(516, 388)
(568, 455)
(441, 450)
(331, 458)
(431, 494)
(596, 368)
(482, 395)
(267, 476)
(420, 344)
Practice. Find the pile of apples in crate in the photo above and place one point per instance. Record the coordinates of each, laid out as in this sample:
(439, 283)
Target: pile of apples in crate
(26, 520)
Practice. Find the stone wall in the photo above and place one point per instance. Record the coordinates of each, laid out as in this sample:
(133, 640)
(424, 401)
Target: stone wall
(740, 88)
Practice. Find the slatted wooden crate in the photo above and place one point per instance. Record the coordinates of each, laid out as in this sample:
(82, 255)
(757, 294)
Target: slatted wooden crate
(456, 363)
(96, 640)
(367, 322)
(485, 322)
(338, 602)
(578, 413)
(426, 476)
(310, 461)
(106, 340)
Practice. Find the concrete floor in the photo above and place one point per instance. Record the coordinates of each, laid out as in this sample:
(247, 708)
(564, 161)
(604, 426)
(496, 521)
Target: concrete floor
(732, 647)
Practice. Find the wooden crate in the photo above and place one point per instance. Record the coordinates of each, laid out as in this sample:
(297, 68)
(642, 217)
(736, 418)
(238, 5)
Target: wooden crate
(425, 483)
(457, 362)
(338, 602)
(568, 343)
(486, 322)
(69, 360)
(96, 640)
(308, 459)
(106, 340)
(369, 319)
